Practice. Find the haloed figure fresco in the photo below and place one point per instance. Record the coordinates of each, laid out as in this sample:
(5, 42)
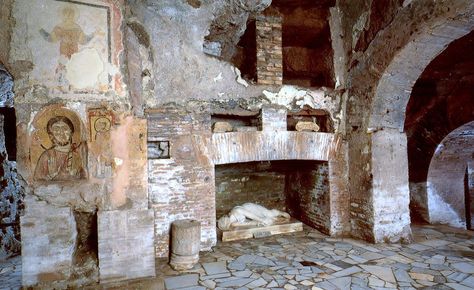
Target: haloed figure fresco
(64, 160)
(69, 35)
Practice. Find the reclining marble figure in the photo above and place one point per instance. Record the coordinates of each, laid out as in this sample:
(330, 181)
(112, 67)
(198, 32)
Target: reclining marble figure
(250, 214)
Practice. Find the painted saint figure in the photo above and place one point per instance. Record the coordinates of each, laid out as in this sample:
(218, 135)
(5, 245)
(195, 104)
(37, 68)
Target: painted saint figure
(251, 214)
(69, 35)
(64, 160)
(102, 140)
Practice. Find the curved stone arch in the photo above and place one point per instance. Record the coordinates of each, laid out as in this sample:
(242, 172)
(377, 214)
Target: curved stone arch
(445, 184)
(396, 83)
(394, 62)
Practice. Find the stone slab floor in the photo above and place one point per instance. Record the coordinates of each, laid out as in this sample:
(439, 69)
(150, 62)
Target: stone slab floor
(440, 258)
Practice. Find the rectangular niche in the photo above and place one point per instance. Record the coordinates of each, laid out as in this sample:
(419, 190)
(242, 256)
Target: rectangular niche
(299, 187)
(318, 116)
(235, 123)
(158, 150)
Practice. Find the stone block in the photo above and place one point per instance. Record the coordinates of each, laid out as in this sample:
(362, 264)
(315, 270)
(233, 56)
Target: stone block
(391, 195)
(221, 127)
(119, 234)
(48, 237)
(274, 119)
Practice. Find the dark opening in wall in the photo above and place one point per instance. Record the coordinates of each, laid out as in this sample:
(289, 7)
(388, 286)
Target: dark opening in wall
(245, 57)
(303, 55)
(235, 123)
(307, 47)
(9, 129)
(86, 253)
(306, 44)
(468, 201)
(299, 187)
(158, 150)
(317, 116)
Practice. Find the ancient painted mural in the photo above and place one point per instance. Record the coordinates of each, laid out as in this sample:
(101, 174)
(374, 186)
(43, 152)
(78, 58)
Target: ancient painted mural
(100, 123)
(58, 152)
(71, 45)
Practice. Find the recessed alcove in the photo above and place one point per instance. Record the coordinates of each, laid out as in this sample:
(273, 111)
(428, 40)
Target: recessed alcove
(299, 187)
(306, 44)
(318, 116)
(238, 122)
(85, 257)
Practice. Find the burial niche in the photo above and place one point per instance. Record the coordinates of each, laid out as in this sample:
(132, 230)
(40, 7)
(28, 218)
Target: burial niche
(298, 187)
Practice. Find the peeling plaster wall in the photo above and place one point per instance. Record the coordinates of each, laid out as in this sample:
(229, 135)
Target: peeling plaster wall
(6, 24)
(185, 72)
(167, 37)
(6, 88)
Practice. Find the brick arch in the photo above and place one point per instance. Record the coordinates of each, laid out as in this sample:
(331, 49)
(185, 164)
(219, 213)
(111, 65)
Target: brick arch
(390, 185)
(396, 83)
(388, 71)
(445, 185)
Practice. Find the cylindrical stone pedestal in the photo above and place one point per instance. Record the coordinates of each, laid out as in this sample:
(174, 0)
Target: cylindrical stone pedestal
(185, 244)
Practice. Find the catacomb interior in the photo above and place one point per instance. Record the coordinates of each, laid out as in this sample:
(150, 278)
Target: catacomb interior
(121, 117)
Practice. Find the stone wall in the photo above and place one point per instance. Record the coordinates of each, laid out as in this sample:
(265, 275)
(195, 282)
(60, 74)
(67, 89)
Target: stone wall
(269, 50)
(469, 188)
(11, 202)
(6, 88)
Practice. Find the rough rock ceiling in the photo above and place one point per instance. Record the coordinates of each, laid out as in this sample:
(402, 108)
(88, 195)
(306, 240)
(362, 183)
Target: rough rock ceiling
(303, 3)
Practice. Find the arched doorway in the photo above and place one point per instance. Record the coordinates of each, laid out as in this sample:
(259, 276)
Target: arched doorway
(447, 202)
(395, 60)
(440, 102)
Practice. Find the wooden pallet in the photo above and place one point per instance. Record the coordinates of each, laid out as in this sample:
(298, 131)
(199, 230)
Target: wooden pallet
(249, 232)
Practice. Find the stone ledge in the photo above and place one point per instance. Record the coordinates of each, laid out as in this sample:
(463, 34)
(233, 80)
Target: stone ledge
(235, 147)
(249, 232)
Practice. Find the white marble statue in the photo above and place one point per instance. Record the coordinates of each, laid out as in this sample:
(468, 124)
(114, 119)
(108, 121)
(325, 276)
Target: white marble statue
(249, 214)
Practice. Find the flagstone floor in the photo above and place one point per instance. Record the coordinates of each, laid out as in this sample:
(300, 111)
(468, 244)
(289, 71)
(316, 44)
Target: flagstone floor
(439, 258)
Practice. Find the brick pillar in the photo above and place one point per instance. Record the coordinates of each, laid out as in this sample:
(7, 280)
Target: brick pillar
(269, 50)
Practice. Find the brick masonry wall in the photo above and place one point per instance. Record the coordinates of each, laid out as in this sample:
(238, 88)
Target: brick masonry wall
(339, 192)
(269, 50)
(308, 195)
(254, 182)
(181, 187)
